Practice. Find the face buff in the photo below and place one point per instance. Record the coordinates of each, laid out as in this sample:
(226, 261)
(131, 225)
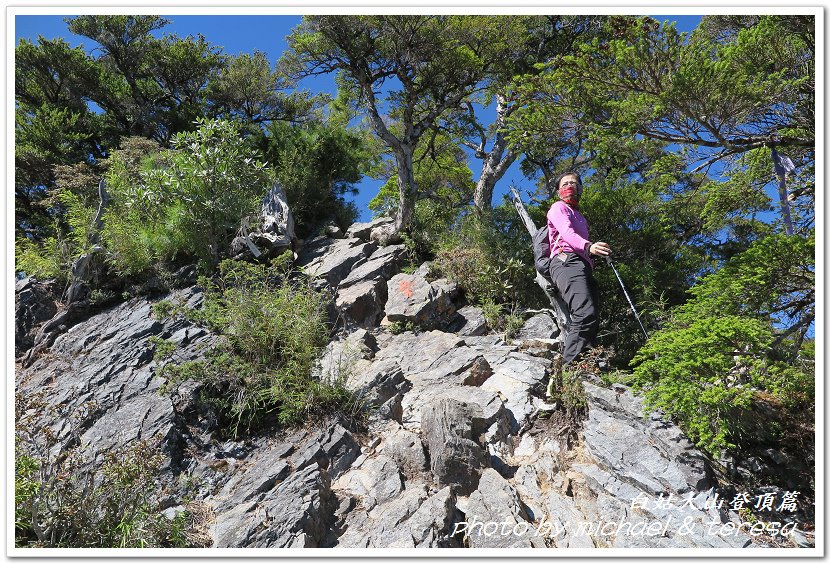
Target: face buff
(570, 195)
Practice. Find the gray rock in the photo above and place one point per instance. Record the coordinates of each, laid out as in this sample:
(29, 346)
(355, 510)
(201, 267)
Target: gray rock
(266, 469)
(374, 528)
(495, 516)
(413, 299)
(383, 231)
(430, 526)
(541, 326)
(312, 249)
(432, 346)
(333, 231)
(103, 367)
(34, 303)
(614, 504)
(406, 449)
(382, 264)
(379, 383)
(342, 356)
(443, 407)
(469, 321)
(455, 459)
(333, 448)
(376, 481)
(295, 513)
(335, 264)
(362, 303)
(515, 376)
(649, 453)
(363, 230)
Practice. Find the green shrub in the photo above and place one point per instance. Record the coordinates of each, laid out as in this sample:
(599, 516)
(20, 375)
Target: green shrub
(399, 327)
(184, 202)
(52, 258)
(707, 373)
(163, 309)
(47, 260)
(273, 329)
(513, 323)
(485, 264)
(720, 353)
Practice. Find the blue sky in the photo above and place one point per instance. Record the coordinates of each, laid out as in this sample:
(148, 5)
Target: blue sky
(266, 33)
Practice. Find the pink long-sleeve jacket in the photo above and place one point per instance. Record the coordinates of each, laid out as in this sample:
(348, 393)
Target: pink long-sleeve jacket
(568, 231)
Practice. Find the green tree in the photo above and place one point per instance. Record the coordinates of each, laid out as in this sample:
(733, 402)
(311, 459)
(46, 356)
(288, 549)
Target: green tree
(73, 107)
(534, 41)
(318, 162)
(446, 189)
(716, 97)
(249, 90)
(149, 87)
(406, 70)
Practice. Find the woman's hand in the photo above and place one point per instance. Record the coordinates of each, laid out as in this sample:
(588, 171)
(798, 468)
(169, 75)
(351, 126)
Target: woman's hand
(600, 249)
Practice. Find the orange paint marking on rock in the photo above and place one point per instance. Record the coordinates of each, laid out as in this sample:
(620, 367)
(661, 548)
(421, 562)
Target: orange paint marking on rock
(405, 287)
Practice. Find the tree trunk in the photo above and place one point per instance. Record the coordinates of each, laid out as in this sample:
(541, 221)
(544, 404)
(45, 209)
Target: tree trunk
(496, 162)
(407, 190)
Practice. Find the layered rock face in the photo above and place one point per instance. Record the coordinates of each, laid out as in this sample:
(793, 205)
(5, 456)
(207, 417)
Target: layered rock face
(458, 452)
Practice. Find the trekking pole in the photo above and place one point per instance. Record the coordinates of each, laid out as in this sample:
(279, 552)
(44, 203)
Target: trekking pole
(622, 285)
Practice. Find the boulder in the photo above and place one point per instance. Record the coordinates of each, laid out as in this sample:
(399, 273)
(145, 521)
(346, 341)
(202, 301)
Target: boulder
(413, 299)
(495, 516)
(406, 449)
(455, 459)
(375, 527)
(102, 367)
(649, 453)
(341, 357)
(382, 264)
(335, 264)
(430, 526)
(376, 481)
(541, 326)
(295, 513)
(364, 230)
(362, 304)
(333, 448)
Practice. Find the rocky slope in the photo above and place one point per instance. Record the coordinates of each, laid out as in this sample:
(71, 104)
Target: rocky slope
(460, 449)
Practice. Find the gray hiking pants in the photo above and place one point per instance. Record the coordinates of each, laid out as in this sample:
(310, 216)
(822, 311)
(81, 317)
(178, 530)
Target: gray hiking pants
(577, 286)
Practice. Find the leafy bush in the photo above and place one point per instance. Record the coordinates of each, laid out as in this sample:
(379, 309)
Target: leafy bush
(46, 260)
(187, 201)
(273, 331)
(721, 351)
(486, 264)
(399, 327)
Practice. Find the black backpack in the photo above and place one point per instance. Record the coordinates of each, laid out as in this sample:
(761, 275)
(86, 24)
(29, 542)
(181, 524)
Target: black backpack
(541, 251)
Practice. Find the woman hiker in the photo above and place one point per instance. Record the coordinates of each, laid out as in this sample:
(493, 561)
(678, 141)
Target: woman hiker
(571, 267)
